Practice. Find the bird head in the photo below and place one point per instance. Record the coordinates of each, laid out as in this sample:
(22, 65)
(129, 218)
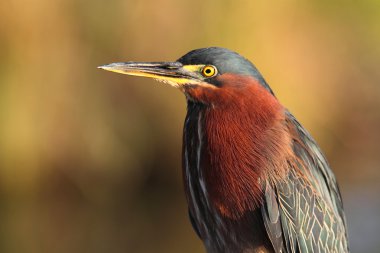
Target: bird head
(202, 74)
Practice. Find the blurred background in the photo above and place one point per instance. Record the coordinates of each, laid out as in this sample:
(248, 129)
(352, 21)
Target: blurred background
(90, 161)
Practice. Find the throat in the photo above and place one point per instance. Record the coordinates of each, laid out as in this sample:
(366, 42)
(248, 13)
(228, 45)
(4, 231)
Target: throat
(229, 153)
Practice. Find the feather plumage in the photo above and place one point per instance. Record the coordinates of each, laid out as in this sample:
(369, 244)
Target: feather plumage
(308, 200)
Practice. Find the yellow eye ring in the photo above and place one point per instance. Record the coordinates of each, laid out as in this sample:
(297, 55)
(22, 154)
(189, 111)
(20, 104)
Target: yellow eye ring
(209, 71)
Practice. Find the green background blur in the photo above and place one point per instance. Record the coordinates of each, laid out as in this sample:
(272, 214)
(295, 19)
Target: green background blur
(90, 160)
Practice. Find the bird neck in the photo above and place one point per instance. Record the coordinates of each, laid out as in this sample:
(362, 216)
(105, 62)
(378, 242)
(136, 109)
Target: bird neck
(239, 145)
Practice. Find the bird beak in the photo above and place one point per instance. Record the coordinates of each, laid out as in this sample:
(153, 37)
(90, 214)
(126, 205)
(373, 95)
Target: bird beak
(173, 73)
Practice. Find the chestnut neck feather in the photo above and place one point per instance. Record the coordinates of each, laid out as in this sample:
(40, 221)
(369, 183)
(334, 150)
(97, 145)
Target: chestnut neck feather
(244, 142)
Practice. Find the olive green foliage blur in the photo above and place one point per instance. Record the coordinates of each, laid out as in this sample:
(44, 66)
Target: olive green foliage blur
(90, 161)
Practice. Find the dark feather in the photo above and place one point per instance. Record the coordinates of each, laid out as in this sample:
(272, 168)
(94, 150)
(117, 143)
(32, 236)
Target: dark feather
(193, 224)
(308, 201)
(272, 219)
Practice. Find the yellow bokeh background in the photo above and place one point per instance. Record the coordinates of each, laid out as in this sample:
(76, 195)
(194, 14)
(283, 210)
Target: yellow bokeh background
(90, 161)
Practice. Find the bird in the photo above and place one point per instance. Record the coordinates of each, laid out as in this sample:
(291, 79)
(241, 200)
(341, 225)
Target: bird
(255, 180)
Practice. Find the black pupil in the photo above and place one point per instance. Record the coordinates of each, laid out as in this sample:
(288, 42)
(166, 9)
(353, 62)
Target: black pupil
(208, 71)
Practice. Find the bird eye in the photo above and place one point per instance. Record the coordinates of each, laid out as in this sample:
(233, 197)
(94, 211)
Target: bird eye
(209, 71)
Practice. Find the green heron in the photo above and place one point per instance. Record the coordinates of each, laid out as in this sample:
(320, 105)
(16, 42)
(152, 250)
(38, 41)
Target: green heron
(255, 180)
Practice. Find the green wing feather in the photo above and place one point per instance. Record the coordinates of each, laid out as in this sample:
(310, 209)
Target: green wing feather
(308, 214)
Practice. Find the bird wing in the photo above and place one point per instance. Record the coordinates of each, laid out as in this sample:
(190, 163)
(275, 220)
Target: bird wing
(304, 212)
